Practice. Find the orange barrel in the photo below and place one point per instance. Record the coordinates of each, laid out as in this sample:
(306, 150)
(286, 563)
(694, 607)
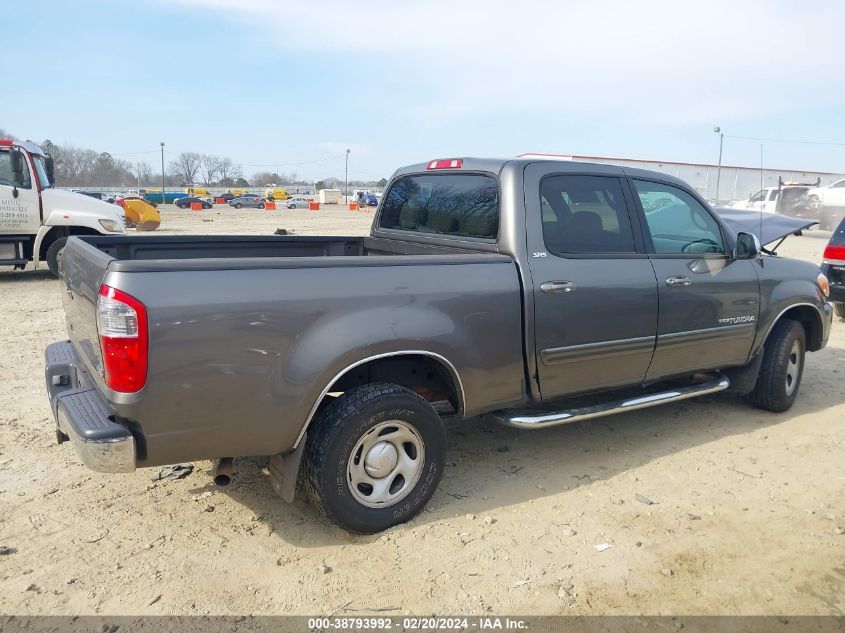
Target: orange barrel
(270, 205)
(220, 201)
(313, 206)
(196, 206)
(353, 206)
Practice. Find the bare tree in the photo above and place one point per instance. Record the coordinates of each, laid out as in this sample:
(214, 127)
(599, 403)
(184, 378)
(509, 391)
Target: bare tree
(228, 172)
(209, 168)
(265, 178)
(187, 167)
(145, 175)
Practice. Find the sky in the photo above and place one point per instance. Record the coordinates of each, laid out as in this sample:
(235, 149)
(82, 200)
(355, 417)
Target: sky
(289, 85)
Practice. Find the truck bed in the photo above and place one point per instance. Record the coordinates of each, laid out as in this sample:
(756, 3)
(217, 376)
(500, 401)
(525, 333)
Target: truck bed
(245, 332)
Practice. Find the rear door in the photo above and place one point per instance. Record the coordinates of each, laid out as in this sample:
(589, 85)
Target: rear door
(594, 290)
(709, 302)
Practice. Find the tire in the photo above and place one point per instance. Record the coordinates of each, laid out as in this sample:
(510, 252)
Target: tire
(839, 308)
(261, 206)
(54, 254)
(344, 440)
(783, 366)
(239, 206)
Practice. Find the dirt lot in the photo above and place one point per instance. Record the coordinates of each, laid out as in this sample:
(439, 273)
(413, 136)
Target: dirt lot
(747, 516)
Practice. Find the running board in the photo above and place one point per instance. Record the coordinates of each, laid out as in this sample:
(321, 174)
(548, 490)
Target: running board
(525, 419)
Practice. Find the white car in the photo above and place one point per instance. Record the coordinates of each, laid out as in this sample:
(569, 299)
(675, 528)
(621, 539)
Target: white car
(296, 203)
(832, 195)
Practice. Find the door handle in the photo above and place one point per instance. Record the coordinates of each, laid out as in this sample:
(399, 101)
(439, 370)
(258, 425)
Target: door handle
(557, 287)
(677, 282)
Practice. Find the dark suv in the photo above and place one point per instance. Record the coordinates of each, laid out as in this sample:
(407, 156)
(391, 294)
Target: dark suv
(833, 266)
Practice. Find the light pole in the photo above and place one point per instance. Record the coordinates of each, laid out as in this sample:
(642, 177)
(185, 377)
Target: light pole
(718, 131)
(346, 184)
(162, 172)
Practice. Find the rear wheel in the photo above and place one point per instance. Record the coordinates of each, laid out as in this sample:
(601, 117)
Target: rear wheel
(840, 310)
(291, 206)
(54, 254)
(374, 457)
(782, 368)
(239, 206)
(260, 205)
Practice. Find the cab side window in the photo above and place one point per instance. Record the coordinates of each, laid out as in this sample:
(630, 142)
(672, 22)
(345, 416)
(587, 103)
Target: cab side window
(683, 226)
(585, 215)
(7, 177)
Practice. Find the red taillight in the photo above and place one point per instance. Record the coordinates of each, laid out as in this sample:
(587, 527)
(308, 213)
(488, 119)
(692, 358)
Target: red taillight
(122, 326)
(834, 252)
(446, 163)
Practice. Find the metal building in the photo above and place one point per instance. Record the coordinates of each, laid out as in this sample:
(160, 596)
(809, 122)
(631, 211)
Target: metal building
(735, 182)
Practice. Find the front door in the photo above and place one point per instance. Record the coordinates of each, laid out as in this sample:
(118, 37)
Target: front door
(594, 290)
(19, 212)
(709, 302)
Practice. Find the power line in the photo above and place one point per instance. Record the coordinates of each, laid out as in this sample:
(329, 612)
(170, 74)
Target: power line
(304, 162)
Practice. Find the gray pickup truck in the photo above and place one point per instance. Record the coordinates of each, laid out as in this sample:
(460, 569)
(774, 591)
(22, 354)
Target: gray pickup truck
(536, 292)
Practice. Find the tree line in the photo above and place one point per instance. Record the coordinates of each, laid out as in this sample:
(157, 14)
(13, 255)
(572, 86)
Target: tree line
(79, 167)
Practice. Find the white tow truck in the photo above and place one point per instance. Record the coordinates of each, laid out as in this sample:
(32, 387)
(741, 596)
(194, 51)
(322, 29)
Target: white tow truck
(35, 218)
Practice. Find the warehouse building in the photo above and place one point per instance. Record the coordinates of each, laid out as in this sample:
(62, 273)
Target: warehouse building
(735, 182)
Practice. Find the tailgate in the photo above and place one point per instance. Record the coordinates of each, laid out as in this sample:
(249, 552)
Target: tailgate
(81, 271)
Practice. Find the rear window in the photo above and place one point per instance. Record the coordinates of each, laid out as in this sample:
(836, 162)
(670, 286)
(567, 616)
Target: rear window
(444, 204)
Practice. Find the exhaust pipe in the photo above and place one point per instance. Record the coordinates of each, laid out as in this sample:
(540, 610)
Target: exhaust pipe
(224, 471)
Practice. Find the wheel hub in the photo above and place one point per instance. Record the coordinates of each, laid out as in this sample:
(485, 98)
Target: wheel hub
(381, 459)
(385, 464)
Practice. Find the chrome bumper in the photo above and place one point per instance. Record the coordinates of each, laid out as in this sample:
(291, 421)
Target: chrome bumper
(83, 414)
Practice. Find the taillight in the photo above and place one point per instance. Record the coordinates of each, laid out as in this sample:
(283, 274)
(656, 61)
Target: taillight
(446, 163)
(834, 253)
(122, 326)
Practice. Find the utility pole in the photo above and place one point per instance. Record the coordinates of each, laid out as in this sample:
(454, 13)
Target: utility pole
(346, 185)
(718, 131)
(162, 172)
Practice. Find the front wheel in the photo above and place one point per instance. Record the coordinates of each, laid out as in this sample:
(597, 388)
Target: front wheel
(239, 206)
(374, 457)
(54, 254)
(261, 205)
(291, 206)
(782, 368)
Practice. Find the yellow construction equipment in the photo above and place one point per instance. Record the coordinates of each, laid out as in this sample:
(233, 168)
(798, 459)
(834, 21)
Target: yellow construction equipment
(140, 214)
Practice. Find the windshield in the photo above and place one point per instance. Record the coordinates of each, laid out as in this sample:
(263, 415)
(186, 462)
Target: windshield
(41, 169)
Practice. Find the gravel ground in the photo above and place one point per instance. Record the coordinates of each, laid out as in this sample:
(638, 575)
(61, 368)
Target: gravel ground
(702, 507)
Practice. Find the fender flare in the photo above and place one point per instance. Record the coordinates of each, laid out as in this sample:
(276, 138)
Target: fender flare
(819, 321)
(441, 359)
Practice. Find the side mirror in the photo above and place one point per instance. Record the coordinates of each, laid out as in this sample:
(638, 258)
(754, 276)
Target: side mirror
(747, 246)
(17, 166)
(50, 167)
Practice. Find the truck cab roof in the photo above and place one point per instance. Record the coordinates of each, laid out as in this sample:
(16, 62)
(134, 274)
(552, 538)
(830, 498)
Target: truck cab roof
(498, 165)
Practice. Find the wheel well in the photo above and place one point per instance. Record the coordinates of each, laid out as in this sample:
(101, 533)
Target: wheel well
(810, 320)
(58, 232)
(425, 375)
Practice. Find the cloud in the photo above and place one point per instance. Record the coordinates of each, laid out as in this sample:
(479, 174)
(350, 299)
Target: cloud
(654, 61)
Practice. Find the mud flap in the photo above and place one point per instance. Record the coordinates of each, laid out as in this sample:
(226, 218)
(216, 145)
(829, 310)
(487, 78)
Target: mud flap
(743, 379)
(284, 469)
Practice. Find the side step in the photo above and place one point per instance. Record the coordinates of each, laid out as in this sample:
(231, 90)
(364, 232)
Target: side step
(528, 419)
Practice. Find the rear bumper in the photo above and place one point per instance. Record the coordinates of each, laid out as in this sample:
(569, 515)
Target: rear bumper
(83, 414)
